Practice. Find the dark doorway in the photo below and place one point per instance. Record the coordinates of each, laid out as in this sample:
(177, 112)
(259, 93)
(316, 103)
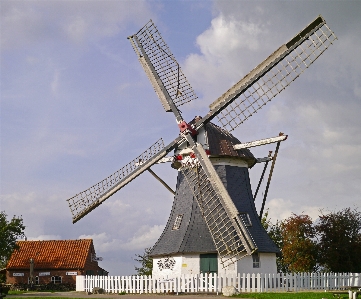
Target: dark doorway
(208, 263)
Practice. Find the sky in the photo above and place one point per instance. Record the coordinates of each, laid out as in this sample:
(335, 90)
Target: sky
(76, 106)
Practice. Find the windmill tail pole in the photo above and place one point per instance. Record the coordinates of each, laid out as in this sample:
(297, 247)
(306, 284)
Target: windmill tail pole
(269, 179)
(261, 178)
(162, 182)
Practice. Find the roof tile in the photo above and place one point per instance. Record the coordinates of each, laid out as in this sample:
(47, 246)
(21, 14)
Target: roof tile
(57, 254)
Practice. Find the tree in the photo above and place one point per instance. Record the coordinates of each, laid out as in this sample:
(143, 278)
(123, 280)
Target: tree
(295, 236)
(299, 248)
(339, 235)
(146, 261)
(274, 231)
(10, 231)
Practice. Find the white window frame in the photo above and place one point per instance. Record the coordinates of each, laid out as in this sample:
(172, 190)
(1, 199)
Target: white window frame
(55, 280)
(256, 260)
(177, 222)
(246, 219)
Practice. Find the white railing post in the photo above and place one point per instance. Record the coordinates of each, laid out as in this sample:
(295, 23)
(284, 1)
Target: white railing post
(80, 283)
(204, 282)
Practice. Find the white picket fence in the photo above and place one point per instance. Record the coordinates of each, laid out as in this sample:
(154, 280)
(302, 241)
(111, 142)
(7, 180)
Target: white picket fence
(214, 283)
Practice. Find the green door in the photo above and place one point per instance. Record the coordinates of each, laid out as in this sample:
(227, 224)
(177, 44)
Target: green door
(208, 263)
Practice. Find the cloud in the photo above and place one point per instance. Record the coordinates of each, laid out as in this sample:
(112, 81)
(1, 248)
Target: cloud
(42, 212)
(145, 237)
(25, 23)
(226, 36)
(280, 209)
(76, 28)
(220, 47)
(44, 237)
(75, 108)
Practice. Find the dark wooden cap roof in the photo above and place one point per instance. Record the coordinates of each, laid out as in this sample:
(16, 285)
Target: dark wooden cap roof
(221, 143)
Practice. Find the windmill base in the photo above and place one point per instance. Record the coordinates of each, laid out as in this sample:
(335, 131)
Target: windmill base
(177, 265)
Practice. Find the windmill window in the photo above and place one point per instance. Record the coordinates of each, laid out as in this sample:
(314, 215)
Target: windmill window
(177, 222)
(246, 219)
(56, 279)
(256, 262)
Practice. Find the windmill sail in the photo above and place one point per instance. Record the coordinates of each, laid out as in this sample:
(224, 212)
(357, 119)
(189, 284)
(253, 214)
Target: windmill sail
(229, 227)
(272, 76)
(161, 67)
(228, 230)
(85, 201)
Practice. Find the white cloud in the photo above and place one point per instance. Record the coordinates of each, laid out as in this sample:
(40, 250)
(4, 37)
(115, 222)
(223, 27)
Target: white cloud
(56, 81)
(219, 60)
(45, 237)
(19, 25)
(145, 237)
(76, 28)
(357, 90)
(226, 36)
(101, 116)
(116, 207)
(280, 209)
(25, 23)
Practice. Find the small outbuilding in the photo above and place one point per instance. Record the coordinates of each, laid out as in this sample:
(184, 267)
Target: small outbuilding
(54, 261)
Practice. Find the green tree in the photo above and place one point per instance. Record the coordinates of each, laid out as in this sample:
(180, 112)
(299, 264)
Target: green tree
(146, 262)
(10, 231)
(339, 241)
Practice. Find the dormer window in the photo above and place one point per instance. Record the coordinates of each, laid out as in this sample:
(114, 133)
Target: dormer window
(177, 222)
(246, 219)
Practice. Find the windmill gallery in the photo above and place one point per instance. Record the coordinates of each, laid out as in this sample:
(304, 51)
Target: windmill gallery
(213, 225)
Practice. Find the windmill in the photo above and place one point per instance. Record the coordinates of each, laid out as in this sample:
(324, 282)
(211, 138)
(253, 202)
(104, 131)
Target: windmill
(213, 200)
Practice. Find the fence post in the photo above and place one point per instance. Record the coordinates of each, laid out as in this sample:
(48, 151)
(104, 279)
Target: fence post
(80, 283)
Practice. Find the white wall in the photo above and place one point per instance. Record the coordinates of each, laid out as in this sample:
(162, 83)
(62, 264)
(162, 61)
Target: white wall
(185, 264)
(164, 273)
(230, 269)
(267, 264)
(190, 264)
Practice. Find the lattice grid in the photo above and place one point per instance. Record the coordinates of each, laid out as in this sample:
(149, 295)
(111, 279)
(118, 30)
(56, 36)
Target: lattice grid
(225, 237)
(165, 65)
(277, 78)
(89, 197)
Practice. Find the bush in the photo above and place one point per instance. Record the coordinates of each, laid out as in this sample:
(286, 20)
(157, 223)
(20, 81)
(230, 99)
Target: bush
(58, 287)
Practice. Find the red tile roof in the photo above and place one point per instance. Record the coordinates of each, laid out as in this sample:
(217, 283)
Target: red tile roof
(54, 254)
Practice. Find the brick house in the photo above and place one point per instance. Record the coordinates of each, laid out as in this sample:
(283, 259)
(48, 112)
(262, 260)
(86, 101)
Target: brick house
(57, 261)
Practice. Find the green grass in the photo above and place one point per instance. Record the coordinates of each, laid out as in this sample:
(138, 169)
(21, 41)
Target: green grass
(290, 295)
(17, 292)
(43, 297)
(25, 292)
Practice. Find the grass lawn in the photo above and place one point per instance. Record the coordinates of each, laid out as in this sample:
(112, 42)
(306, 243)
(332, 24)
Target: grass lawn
(301, 295)
(290, 295)
(26, 292)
